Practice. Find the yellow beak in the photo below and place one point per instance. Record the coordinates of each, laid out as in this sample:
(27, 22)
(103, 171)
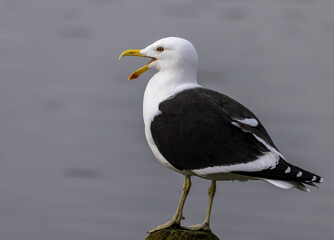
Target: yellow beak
(136, 52)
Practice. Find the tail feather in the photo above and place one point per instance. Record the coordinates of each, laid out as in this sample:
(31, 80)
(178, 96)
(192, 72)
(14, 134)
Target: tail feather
(288, 185)
(286, 176)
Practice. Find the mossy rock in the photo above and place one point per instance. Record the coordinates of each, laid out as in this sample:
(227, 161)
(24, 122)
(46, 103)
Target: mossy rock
(181, 234)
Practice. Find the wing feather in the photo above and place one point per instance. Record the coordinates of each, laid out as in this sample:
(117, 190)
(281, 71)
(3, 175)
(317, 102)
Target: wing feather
(201, 129)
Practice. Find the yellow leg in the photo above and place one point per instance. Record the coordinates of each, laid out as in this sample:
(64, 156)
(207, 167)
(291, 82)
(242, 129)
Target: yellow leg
(206, 224)
(176, 220)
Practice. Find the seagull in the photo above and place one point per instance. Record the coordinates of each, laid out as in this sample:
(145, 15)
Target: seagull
(200, 132)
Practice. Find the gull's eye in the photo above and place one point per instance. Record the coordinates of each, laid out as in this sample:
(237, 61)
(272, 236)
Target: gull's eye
(160, 49)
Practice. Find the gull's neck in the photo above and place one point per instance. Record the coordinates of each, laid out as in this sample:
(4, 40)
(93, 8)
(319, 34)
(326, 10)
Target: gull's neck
(173, 79)
(163, 85)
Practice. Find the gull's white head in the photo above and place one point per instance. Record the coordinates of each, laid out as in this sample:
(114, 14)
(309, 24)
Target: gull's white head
(167, 54)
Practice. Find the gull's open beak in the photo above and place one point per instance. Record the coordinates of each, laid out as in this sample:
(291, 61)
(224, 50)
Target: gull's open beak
(136, 52)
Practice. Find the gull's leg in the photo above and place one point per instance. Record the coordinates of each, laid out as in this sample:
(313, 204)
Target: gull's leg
(176, 220)
(206, 224)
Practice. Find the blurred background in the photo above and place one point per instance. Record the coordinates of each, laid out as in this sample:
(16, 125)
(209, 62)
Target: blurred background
(74, 162)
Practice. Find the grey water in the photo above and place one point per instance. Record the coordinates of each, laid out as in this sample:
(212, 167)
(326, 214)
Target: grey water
(74, 163)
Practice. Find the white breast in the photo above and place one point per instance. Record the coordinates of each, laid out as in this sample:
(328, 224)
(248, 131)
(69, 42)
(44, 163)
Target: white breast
(158, 89)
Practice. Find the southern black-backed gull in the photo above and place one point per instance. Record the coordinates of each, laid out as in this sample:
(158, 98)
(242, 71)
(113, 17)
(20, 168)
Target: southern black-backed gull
(199, 132)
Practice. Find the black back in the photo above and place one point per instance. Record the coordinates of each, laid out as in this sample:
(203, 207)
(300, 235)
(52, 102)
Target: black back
(194, 131)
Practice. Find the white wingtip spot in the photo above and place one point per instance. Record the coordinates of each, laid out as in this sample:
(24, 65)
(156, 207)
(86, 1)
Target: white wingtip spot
(299, 174)
(321, 180)
(288, 170)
